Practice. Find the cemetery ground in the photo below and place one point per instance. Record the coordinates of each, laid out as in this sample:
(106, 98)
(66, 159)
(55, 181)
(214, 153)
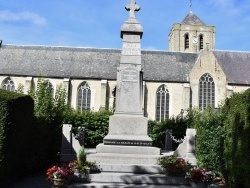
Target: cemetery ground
(225, 132)
(40, 181)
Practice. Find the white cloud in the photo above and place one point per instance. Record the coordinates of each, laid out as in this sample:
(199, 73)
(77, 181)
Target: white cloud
(22, 16)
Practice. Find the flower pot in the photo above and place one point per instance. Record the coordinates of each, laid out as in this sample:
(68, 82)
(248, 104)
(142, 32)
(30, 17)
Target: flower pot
(60, 182)
(198, 185)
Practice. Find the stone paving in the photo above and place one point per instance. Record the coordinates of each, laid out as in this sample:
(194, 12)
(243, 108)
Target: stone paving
(40, 181)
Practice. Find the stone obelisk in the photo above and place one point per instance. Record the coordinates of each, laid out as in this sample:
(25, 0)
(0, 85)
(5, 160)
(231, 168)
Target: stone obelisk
(128, 126)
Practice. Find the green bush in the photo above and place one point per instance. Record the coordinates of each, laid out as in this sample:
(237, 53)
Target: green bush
(95, 123)
(16, 135)
(156, 130)
(49, 115)
(210, 135)
(237, 143)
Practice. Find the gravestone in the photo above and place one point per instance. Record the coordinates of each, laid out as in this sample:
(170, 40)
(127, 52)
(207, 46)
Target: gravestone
(128, 126)
(71, 144)
(187, 148)
(191, 149)
(168, 140)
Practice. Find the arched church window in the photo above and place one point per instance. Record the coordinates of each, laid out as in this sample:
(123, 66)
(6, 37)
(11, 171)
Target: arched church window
(186, 38)
(201, 45)
(206, 92)
(84, 97)
(162, 103)
(8, 84)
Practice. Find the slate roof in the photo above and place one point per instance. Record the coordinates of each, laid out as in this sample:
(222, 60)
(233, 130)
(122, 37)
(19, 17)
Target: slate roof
(167, 66)
(192, 19)
(62, 62)
(236, 65)
(85, 63)
(65, 62)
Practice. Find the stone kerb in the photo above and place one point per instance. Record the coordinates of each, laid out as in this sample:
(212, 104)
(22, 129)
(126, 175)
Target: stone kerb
(71, 144)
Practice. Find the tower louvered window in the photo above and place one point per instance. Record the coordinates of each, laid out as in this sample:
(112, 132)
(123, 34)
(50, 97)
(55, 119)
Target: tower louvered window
(201, 45)
(84, 97)
(206, 92)
(186, 38)
(162, 104)
(8, 85)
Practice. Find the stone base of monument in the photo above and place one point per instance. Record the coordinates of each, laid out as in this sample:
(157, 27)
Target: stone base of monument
(115, 158)
(128, 130)
(136, 150)
(131, 170)
(130, 166)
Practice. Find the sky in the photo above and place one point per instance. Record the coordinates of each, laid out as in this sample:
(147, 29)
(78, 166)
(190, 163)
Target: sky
(97, 23)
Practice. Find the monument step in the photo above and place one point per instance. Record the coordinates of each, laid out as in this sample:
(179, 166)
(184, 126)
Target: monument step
(137, 150)
(115, 158)
(131, 178)
(138, 169)
(122, 185)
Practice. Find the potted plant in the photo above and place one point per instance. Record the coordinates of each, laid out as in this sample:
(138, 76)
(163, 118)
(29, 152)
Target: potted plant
(173, 165)
(81, 166)
(200, 177)
(61, 176)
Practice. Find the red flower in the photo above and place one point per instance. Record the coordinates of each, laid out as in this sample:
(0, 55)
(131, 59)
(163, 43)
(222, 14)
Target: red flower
(51, 171)
(198, 175)
(64, 172)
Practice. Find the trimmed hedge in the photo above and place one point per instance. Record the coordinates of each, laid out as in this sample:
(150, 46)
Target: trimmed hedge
(210, 134)
(156, 130)
(16, 142)
(95, 123)
(237, 142)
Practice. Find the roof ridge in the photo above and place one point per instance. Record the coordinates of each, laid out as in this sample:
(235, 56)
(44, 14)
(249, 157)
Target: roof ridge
(231, 51)
(192, 19)
(56, 47)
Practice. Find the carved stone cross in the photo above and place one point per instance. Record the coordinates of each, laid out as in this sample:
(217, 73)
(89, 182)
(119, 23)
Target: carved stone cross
(132, 7)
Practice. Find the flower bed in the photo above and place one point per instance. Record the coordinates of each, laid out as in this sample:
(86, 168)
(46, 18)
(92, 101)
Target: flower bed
(174, 166)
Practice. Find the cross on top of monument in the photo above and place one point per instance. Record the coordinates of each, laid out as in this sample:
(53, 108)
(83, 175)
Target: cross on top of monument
(132, 7)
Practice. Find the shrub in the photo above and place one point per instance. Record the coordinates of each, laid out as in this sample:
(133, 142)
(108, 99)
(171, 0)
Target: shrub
(95, 123)
(81, 158)
(49, 114)
(237, 154)
(16, 135)
(210, 134)
(156, 130)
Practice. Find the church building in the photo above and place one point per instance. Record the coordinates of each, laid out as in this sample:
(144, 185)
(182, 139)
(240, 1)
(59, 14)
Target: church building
(190, 73)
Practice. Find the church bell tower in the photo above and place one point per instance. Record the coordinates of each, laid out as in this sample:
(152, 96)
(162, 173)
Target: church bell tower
(191, 35)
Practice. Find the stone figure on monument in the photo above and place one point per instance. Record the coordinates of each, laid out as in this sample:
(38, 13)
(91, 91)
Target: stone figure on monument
(132, 7)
